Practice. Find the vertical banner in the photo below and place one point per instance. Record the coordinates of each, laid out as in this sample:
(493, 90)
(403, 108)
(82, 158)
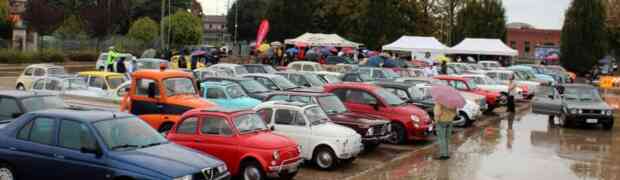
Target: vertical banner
(263, 29)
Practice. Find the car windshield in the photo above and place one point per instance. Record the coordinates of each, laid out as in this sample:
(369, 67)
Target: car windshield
(235, 92)
(332, 104)
(249, 123)
(314, 80)
(316, 115)
(270, 69)
(241, 70)
(115, 81)
(56, 71)
(127, 134)
(390, 98)
(526, 75)
(283, 83)
(331, 79)
(582, 94)
(75, 84)
(253, 86)
(37, 103)
(179, 86)
(420, 93)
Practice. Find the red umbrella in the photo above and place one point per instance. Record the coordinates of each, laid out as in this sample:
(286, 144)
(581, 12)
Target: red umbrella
(447, 96)
(553, 57)
(300, 44)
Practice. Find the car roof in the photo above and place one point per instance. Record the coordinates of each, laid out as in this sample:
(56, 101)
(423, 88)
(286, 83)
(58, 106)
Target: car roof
(235, 79)
(262, 75)
(259, 65)
(295, 72)
(225, 65)
(219, 83)
(159, 74)
(45, 65)
(301, 93)
(22, 94)
(83, 115)
(303, 62)
(219, 110)
(394, 85)
(287, 103)
(354, 85)
(449, 77)
(100, 73)
(501, 71)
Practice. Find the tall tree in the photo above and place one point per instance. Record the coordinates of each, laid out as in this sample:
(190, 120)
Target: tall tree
(584, 38)
(481, 19)
(144, 29)
(448, 10)
(248, 17)
(43, 18)
(185, 28)
(5, 24)
(105, 17)
(290, 18)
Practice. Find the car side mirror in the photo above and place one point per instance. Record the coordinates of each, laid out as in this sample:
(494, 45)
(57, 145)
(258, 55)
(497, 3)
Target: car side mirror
(151, 90)
(272, 128)
(94, 151)
(16, 115)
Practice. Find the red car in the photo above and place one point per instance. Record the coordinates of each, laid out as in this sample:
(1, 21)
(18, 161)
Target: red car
(241, 139)
(494, 99)
(408, 121)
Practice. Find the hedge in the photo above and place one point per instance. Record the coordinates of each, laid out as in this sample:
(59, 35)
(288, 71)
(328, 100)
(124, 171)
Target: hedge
(11, 56)
(83, 56)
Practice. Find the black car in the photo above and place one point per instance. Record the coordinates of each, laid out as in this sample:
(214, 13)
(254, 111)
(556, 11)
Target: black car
(251, 87)
(260, 68)
(15, 103)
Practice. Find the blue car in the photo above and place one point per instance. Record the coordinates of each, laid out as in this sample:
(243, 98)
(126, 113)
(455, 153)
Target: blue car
(227, 95)
(96, 145)
(530, 71)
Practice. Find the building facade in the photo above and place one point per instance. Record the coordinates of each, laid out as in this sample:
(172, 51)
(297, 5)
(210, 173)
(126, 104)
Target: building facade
(215, 30)
(527, 39)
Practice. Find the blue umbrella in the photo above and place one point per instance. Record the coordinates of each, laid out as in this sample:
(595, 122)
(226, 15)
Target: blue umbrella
(375, 61)
(292, 50)
(326, 51)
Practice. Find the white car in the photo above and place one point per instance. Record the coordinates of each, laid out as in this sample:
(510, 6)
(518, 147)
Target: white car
(72, 86)
(490, 65)
(234, 69)
(304, 66)
(486, 83)
(101, 64)
(36, 71)
(502, 77)
(470, 112)
(322, 142)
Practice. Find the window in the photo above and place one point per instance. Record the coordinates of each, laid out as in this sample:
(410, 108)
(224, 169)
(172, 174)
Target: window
(459, 85)
(303, 99)
(24, 133)
(267, 83)
(53, 85)
(492, 75)
(9, 108)
(399, 92)
(215, 126)
(299, 80)
(288, 117)
(341, 93)
(75, 135)
(351, 78)
(28, 72)
(39, 72)
(215, 93)
(188, 126)
(527, 47)
(296, 67)
(266, 114)
(179, 86)
(308, 68)
(378, 74)
(361, 97)
(143, 87)
(279, 98)
(43, 131)
(97, 82)
(513, 44)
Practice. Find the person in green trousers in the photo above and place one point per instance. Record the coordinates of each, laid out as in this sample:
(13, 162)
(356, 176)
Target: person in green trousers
(444, 117)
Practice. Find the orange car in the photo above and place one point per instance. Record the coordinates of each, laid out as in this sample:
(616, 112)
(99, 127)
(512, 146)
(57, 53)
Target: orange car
(159, 97)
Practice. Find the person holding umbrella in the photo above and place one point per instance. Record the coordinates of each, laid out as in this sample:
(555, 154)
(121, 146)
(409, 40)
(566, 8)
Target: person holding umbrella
(447, 100)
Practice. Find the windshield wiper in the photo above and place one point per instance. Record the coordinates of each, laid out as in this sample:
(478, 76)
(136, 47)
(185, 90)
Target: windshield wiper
(153, 144)
(124, 146)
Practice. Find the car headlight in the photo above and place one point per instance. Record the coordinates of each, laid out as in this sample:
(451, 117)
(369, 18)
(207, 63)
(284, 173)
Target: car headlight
(276, 155)
(415, 118)
(609, 112)
(575, 111)
(222, 168)
(370, 132)
(188, 177)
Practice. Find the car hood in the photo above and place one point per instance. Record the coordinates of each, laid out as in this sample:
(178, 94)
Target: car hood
(266, 140)
(357, 119)
(332, 130)
(168, 159)
(600, 105)
(190, 101)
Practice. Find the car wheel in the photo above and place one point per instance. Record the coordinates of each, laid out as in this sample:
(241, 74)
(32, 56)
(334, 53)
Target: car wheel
(325, 158)
(101, 69)
(468, 122)
(20, 87)
(6, 172)
(252, 171)
(609, 125)
(398, 135)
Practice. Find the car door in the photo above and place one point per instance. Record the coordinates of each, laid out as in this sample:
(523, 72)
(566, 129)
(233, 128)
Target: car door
(362, 102)
(217, 137)
(69, 160)
(186, 134)
(148, 108)
(292, 124)
(32, 145)
(547, 101)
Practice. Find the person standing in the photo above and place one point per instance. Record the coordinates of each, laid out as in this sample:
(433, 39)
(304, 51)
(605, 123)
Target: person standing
(512, 92)
(444, 117)
(120, 66)
(112, 55)
(444, 68)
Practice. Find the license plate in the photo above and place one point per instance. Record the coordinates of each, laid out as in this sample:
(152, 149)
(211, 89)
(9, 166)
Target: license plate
(592, 121)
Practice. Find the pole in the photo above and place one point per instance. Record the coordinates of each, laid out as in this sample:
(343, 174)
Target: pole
(237, 20)
(161, 25)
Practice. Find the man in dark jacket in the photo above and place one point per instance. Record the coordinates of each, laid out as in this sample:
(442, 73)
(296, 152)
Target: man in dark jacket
(120, 66)
(444, 68)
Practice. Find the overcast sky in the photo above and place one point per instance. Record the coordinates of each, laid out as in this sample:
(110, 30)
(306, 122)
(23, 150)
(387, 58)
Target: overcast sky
(545, 14)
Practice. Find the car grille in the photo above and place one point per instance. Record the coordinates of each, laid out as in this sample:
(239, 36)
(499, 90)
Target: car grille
(208, 174)
(591, 111)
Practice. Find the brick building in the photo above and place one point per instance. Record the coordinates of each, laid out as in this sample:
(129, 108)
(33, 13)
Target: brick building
(215, 29)
(526, 38)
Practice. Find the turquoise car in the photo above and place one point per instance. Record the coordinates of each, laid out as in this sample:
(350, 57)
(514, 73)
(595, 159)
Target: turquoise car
(543, 78)
(227, 95)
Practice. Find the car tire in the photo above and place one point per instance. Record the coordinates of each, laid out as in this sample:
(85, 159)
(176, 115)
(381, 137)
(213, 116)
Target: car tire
(251, 170)
(468, 121)
(101, 69)
(325, 158)
(399, 134)
(609, 125)
(20, 87)
(6, 172)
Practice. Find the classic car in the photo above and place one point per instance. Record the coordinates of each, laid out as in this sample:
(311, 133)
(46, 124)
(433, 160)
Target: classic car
(36, 71)
(150, 63)
(15, 103)
(494, 99)
(202, 73)
(575, 104)
(475, 68)
(92, 144)
(572, 75)
(503, 76)
(418, 80)
(237, 70)
(419, 95)
(273, 81)
(486, 83)
(409, 122)
(101, 64)
(329, 77)
(411, 72)
(304, 66)
(373, 129)
(227, 95)
(71, 86)
(103, 81)
(302, 79)
(242, 140)
(324, 143)
(259, 68)
(490, 65)
(530, 74)
(251, 87)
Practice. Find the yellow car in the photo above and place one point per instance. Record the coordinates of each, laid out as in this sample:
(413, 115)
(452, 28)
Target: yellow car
(174, 62)
(106, 81)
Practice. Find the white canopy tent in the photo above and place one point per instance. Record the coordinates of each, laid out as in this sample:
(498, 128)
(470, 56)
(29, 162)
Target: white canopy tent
(478, 46)
(417, 44)
(318, 39)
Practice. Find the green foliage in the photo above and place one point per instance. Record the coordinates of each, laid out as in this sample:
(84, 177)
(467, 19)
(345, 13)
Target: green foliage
(71, 28)
(481, 19)
(13, 56)
(144, 29)
(83, 56)
(250, 13)
(584, 37)
(5, 25)
(185, 29)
